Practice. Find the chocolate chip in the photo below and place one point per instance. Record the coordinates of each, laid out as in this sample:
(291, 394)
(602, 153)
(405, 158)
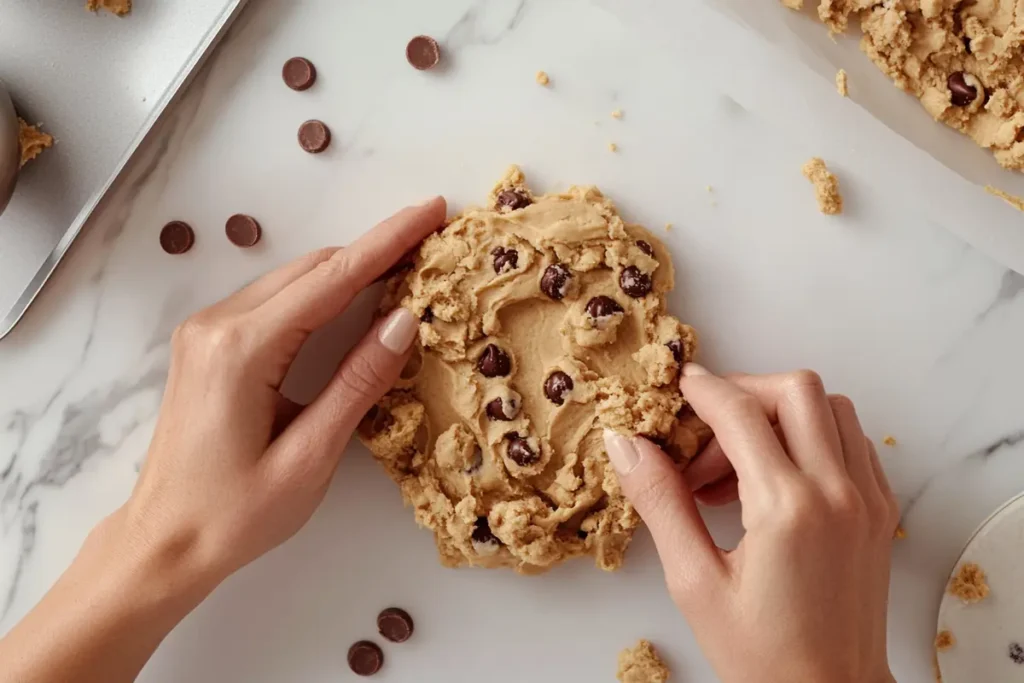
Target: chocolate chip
(513, 200)
(519, 450)
(502, 409)
(482, 532)
(365, 658)
(299, 73)
(314, 136)
(602, 307)
(581, 534)
(505, 259)
(676, 347)
(556, 386)
(635, 282)
(242, 231)
(1017, 653)
(961, 93)
(380, 419)
(494, 362)
(646, 247)
(395, 624)
(177, 237)
(477, 462)
(428, 315)
(555, 281)
(423, 52)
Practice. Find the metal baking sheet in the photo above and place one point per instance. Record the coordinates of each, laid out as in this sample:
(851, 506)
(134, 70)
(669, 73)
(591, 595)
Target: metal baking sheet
(98, 83)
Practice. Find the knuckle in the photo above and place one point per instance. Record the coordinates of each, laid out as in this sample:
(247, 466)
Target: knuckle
(803, 381)
(841, 403)
(800, 509)
(216, 338)
(847, 504)
(335, 268)
(362, 378)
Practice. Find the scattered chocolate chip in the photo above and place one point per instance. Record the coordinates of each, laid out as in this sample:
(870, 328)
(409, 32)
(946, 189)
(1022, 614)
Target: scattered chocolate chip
(505, 259)
(482, 532)
(519, 450)
(676, 347)
(299, 73)
(477, 462)
(602, 307)
(960, 91)
(423, 52)
(513, 200)
(1017, 653)
(494, 362)
(314, 136)
(502, 409)
(646, 247)
(556, 386)
(365, 658)
(395, 624)
(243, 231)
(428, 315)
(555, 281)
(177, 237)
(635, 282)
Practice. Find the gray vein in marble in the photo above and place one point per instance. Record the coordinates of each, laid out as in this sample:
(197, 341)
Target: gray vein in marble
(28, 544)
(470, 29)
(1010, 287)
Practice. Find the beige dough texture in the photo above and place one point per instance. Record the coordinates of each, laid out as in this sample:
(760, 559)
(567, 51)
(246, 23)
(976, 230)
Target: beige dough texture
(118, 7)
(32, 140)
(543, 323)
(826, 186)
(961, 59)
(642, 664)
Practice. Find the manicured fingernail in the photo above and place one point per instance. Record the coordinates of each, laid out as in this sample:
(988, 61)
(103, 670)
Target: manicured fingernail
(694, 370)
(398, 331)
(425, 202)
(621, 452)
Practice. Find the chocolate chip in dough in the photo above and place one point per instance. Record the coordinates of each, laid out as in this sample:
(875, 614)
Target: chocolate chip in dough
(961, 93)
(505, 259)
(1016, 653)
(299, 73)
(482, 533)
(513, 200)
(645, 247)
(423, 52)
(557, 386)
(602, 307)
(380, 419)
(519, 450)
(395, 624)
(314, 136)
(428, 315)
(676, 347)
(635, 282)
(365, 658)
(242, 231)
(494, 362)
(477, 462)
(177, 237)
(502, 409)
(555, 281)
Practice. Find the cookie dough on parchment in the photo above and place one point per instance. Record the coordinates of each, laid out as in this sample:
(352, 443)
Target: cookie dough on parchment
(543, 323)
(641, 664)
(118, 7)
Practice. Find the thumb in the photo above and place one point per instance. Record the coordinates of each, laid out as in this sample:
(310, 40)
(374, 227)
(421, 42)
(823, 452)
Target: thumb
(657, 490)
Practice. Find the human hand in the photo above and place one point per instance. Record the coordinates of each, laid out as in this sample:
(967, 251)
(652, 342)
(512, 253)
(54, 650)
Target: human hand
(804, 595)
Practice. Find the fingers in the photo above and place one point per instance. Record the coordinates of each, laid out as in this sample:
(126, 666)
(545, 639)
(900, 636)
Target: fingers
(285, 412)
(708, 467)
(260, 290)
(652, 484)
(892, 505)
(720, 493)
(739, 422)
(326, 291)
(312, 445)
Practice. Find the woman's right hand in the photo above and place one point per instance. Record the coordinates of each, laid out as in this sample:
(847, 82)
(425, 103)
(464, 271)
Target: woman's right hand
(804, 596)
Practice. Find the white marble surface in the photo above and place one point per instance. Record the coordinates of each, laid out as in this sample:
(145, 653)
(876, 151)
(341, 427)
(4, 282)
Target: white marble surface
(922, 330)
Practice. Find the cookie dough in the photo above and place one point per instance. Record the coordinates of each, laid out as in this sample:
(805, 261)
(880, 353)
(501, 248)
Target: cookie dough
(543, 323)
(33, 141)
(842, 83)
(961, 59)
(1013, 200)
(118, 7)
(826, 186)
(969, 584)
(944, 640)
(642, 664)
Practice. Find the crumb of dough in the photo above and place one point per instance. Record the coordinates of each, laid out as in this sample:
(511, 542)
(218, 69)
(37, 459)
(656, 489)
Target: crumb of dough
(642, 664)
(969, 584)
(612, 147)
(1012, 200)
(900, 533)
(944, 640)
(542, 78)
(33, 141)
(668, 227)
(617, 114)
(794, 4)
(935, 667)
(709, 188)
(842, 83)
(118, 7)
(826, 186)
(889, 440)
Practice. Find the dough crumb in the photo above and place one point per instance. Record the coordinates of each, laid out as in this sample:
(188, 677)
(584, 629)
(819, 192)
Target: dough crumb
(889, 440)
(641, 664)
(33, 141)
(794, 4)
(118, 7)
(826, 186)
(612, 147)
(944, 641)
(1013, 200)
(969, 584)
(842, 83)
(617, 114)
(668, 227)
(542, 78)
(900, 533)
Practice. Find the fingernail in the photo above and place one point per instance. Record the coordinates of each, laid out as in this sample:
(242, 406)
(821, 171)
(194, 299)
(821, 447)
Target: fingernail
(425, 202)
(621, 451)
(398, 331)
(694, 370)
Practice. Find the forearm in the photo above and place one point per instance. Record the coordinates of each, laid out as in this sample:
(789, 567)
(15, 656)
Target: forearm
(104, 617)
